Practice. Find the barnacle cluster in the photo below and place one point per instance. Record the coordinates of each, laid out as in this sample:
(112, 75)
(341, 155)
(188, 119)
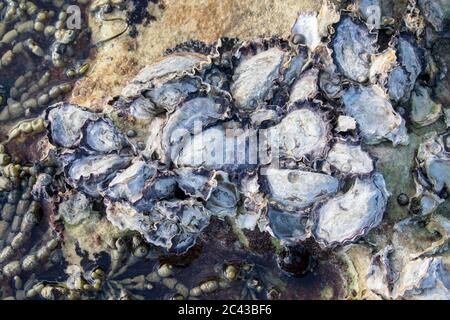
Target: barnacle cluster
(274, 139)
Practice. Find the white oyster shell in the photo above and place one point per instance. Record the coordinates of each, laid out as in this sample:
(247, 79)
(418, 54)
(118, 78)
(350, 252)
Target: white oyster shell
(348, 216)
(303, 133)
(349, 158)
(192, 116)
(425, 278)
(129, 184)
(254, 76)
(298, 188)
(375, 115)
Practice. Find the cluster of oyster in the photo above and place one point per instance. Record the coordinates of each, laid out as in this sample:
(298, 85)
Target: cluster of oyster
(269, 134)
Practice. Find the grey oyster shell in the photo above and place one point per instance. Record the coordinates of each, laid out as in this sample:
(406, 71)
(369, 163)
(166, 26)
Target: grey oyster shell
(169, 95)
(424, 111)
(254, 77)
(173, 225)
(434, 158)
(163, 71)
(353, 46)
(66, 123)
(403, 77)
(224, 197)
(375, 115)
(349, 158)
(351, 215)
(103, 137)
(297, 188)
(91, 174)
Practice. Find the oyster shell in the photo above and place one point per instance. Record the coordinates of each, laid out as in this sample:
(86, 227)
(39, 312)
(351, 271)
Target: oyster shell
(306, 30)
(163, 71)
(351, 215)
(403, 77)
(375, 115)
(353, 45)
(91, 174)
(287, 226)
(254, 77)
(423, 279)
(424, 111)
(305, 87)
(434, 158)
(171, 225)
(103, 137)
(303, 133)
(349, 159)
(66, 121)
(129, 184)
(193, 115)
(299, 188)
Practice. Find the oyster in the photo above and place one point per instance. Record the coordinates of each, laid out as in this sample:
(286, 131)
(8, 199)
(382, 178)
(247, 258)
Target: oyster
(163, 71)
(254, 77)
(424, 111)
(91, 174)
(199, 112)
(305, 87)
(103, 137)
(287, 226)
(403, 77)
(375, 115)
(349, 159)
(433, 156)
(353, 45)
(171, 225)
(129, 184)
(299, 188)
(423, 279)
(351, 215)
(306, 30)
(66, 121)
(303, 133)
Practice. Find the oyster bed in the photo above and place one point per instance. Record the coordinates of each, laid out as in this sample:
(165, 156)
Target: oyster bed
(314, 166)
